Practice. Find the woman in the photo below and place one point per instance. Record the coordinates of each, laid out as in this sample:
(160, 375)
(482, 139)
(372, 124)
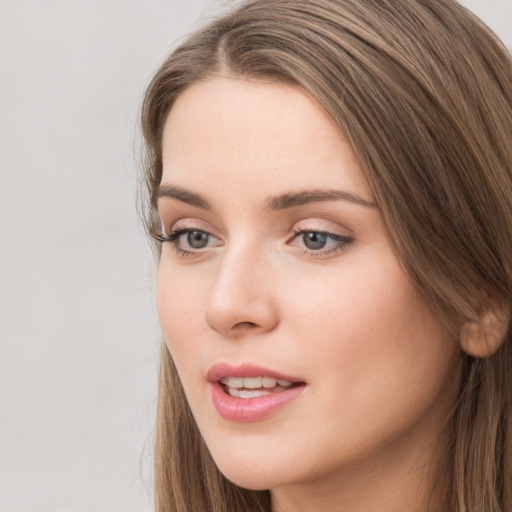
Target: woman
(330, 190)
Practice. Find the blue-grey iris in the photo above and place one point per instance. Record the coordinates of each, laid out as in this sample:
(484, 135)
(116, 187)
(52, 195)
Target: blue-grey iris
(314, 240)
(197, 239)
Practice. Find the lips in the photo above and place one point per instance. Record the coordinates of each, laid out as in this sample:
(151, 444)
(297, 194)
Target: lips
(250, 393)
(223, 370)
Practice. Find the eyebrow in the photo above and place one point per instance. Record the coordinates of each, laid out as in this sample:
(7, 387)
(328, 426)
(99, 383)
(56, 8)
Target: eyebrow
(291, 200)
(181, 194)
(273, 203)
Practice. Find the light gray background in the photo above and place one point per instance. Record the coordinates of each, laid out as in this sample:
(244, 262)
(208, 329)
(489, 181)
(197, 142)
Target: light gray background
(78, 329)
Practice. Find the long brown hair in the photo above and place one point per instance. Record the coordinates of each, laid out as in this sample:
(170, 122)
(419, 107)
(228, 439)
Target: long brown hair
(423, 91)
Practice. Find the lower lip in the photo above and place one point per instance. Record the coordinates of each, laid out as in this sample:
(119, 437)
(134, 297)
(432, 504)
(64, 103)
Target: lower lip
(244, 410)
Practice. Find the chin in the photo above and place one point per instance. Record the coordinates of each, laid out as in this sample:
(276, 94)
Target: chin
(250, 474)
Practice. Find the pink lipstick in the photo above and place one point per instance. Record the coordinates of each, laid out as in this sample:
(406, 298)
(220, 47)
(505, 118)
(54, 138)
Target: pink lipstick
(247, 392)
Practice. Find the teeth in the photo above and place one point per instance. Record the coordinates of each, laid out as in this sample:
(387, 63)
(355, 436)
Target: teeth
(233, 382)
(253, 382)
(268, 382)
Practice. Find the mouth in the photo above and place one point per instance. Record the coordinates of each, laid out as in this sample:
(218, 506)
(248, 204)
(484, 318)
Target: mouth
(253, 387)
(248, 393)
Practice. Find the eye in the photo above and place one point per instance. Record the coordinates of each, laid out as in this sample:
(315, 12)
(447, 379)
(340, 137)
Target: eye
(190, 241)
(321, 242)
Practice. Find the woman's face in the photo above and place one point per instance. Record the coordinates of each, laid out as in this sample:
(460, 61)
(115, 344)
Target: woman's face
(278, 265)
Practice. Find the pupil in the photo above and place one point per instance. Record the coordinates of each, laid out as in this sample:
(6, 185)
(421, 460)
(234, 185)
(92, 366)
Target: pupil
(197, 239)
(314, 241)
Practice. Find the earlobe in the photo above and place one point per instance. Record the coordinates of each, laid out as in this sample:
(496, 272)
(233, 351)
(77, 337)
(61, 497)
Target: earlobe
(484, 337)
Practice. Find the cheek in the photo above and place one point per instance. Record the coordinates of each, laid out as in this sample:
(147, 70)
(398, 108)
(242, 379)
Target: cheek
(179, 305)
(378, 362)
(371, 340)
(179, 308)
(361, 308)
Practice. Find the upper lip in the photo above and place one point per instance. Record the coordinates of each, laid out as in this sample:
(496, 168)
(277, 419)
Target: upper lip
(221, 370)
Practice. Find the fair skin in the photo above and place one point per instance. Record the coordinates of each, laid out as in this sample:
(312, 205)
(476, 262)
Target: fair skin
(310, 289)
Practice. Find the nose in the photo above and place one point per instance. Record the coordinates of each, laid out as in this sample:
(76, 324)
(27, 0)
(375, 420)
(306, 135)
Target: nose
(243, 296)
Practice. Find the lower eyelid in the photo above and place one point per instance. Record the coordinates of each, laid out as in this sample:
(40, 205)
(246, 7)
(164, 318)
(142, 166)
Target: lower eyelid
(332, 250)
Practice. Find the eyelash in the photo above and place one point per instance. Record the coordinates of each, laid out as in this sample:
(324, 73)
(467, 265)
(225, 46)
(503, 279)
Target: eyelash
(341, 244)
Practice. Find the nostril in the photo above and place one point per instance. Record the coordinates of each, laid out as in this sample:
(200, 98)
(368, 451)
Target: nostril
(245, 325)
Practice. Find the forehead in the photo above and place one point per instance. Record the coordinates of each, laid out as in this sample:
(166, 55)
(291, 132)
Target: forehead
(256, 135)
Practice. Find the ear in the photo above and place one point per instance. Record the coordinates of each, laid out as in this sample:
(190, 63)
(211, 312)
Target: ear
(484, 337)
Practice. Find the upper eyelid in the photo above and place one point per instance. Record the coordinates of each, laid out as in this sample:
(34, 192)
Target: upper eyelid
(330, 232)
(181, 231)
(312, 224)
(186, 224)
(170, 216)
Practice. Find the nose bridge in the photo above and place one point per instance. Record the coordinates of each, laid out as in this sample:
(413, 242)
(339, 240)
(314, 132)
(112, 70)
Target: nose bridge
(241, 296)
